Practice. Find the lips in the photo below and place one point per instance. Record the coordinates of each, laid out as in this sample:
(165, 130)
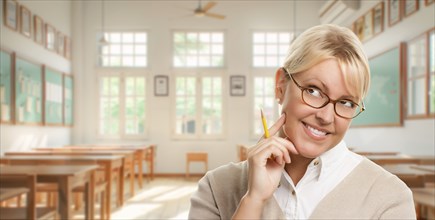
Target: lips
(316, 132)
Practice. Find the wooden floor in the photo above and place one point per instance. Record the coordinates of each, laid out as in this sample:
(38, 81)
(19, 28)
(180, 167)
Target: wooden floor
(162, 198)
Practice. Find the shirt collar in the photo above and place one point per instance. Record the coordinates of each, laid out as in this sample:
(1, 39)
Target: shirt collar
(330, 160)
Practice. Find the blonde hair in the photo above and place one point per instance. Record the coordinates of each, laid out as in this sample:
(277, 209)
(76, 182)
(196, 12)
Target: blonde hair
(331, 41)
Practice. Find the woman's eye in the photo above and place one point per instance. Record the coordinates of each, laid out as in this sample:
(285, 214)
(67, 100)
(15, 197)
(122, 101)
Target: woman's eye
(314, 92)
(347, 104)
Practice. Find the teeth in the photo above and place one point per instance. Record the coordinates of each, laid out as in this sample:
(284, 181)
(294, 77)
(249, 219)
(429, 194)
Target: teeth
(316, 132)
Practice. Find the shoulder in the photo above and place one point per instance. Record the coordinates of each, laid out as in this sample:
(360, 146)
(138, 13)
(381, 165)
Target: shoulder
(232, 176)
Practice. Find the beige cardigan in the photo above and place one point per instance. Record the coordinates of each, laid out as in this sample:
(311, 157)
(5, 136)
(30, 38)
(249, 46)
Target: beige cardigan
(368, 192)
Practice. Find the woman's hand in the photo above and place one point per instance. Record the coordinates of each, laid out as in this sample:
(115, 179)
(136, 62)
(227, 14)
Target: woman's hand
(266, 162)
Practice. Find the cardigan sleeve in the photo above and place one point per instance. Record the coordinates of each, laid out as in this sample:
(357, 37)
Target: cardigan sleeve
(202, 202)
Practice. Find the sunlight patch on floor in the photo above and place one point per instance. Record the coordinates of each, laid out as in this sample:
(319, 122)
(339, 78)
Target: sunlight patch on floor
(176, 194)
(134, 211)
(151, 192)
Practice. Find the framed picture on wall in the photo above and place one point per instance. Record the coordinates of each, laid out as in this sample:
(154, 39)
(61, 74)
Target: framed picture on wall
(359, 27)
(50, 37)
(411, 6)
(10, 10)
(25, 21)
(368, 25)
(237, 86)
(394, 12)
(60, 43)
(378, 18)
(38, 30)
(161, 85)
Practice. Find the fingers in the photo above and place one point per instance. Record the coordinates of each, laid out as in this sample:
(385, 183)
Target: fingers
(277, 125)
(281, 144)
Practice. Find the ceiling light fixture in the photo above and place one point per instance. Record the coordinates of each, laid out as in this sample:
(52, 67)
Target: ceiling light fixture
(103, 38)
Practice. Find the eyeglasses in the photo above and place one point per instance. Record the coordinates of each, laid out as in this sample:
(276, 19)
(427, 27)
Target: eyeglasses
(315, 98)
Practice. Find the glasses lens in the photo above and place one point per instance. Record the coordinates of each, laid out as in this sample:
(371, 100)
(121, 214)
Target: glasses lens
(347, 109)
(314, 97)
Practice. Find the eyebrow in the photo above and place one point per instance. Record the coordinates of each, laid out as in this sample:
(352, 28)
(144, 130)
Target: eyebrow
(325, 89)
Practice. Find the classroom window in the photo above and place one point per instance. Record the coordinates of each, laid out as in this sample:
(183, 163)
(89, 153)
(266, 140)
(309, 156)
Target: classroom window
(198, 106)
(124, 49)
(198, 49)
(122, 106)
(420, 76)
(264, 98)
(269, 49)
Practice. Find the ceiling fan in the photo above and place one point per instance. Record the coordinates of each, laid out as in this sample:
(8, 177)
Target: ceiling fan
(203, 11)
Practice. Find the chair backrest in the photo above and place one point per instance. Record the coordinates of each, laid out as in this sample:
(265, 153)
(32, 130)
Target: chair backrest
(25, 181)
(243, 152)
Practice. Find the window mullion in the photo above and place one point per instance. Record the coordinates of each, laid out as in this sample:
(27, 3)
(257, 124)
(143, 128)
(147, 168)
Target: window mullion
(199, 115)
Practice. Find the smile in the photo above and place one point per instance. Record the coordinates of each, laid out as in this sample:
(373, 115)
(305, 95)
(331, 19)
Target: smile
(315, 132)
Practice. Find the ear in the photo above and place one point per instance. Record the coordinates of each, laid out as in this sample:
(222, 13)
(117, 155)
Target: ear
(280, 84)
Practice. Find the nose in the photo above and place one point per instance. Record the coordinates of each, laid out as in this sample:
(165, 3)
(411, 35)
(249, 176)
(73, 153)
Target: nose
(326, 114)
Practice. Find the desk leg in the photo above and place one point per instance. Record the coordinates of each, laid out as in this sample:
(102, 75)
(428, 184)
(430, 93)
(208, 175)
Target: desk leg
(132, 178)
(140, 170)
(109, 180)
(64, 200)
(120, 199)
(89, 196)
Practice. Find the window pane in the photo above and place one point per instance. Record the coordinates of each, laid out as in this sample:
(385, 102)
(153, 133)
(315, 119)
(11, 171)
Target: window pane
(259, 38)
(432, 93)
(122, 50)
(141, 38)
(416, 94)
(127, 49)
(270, 48)
(129, 86)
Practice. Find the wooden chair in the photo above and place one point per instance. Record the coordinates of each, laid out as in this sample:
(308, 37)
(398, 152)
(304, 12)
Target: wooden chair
(413, 181)
(149, 160)
(196, 157)
(243, 152)
(30, 211)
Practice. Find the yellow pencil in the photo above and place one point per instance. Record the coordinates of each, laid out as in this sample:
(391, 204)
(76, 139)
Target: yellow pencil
(266, 130)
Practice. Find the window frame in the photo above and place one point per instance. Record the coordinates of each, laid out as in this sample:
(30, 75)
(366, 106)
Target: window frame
(427, 114)
(255, 111)
(98, 44)
(122, 135)
(198, 75)
(224, 55)
(278, 31)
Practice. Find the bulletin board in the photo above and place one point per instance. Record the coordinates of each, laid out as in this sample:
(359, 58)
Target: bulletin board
(28, 92)
(6, 104)
(384, 100)
(53, 97)
(68, 86)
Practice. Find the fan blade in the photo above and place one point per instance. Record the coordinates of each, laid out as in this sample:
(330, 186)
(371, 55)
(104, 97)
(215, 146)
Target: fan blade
(214, 15)
(208, 6)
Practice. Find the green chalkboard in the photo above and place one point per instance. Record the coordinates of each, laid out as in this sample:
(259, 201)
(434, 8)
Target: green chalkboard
(28, 92)
(68, 85)
(383, 102)
(6, 104)
(53, 101)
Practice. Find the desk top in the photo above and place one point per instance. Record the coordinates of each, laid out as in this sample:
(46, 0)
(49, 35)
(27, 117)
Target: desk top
(424, 196)
(406, 169)
(430, 168)
(44, 170)
(63, 157)
(7, 193)
(81, 152)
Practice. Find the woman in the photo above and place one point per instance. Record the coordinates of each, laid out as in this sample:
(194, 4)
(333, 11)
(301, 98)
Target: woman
(304, 170)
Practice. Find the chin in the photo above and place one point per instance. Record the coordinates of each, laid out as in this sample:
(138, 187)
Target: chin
(310, 151)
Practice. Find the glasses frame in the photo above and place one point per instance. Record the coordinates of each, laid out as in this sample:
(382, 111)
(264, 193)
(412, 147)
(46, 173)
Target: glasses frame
(333, 101)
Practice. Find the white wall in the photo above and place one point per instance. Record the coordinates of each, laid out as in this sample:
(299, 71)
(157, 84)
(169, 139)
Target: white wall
(58, 14)
(159, 18)
(416, 136)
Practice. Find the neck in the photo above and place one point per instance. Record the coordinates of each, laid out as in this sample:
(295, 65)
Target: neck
(297, 168)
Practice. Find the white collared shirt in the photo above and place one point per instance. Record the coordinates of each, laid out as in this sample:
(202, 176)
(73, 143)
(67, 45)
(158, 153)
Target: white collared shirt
(323, 174)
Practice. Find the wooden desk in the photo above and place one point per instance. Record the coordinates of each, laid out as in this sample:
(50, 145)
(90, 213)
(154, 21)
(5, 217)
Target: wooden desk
(196, 157)
(128, 160)
(139, 154)
(378, 153)
(424, 197)
(110, 164)
(66, 177)
(393, 159)
(410, 175)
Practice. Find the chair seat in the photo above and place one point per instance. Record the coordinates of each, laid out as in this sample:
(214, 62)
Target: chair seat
(20, 213)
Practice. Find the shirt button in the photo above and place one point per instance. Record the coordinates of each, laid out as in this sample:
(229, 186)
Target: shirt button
(293, 192)
(316, 163)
